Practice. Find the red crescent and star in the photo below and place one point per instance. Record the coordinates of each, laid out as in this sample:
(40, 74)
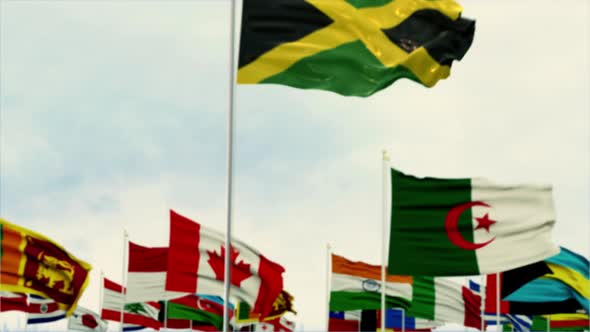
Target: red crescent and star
(452, 222)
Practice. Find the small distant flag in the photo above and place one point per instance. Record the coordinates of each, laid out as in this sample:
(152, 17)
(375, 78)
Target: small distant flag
(520, 323)
(193, 308)
(397, 319)
(443, 300)
(278, 324)
(356, 285)
(353, 48)
(33, 264)
(143, 314)
(13, 302)
(42, 310)
(561, 322)
(86, 320)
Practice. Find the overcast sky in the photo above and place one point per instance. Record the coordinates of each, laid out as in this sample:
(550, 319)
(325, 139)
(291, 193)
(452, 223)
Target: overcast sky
(112, 113)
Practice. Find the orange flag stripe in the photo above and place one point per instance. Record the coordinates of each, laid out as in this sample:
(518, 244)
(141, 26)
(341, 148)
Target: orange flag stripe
(363, 270)
(12, 256)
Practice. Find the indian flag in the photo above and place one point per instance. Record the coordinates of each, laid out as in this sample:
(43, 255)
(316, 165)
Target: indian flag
(357, 285)
(444, 227)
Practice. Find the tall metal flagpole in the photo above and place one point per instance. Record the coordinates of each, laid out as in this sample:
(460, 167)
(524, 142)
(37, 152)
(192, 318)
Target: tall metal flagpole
(498, 326)
(123, 279)
(384, 235)
(100, 287)
(403, 320)
(328, 275)
(230, 152)
(483, 302)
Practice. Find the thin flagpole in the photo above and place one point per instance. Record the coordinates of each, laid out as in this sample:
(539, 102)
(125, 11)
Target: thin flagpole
(482, 292)
(165, 315)
(100, 290)
(548, 323)
(230, 152)
(384, 236)
(328, 275)
(498, 326)
(403, 320)
(27, 314)
(123, 279)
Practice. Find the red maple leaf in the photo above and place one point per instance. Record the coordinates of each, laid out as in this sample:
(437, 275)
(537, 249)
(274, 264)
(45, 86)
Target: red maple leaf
(238, 272)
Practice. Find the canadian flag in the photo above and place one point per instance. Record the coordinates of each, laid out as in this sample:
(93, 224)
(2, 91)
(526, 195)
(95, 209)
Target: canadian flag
(196, 265)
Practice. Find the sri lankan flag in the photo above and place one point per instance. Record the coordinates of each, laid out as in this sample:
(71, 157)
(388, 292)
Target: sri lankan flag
(351, 47)
(33, 264)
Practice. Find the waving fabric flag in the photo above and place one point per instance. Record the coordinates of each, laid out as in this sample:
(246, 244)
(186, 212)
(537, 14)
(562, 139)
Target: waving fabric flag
(195, 308)
(13, 302)
(540, 296)
(443, 300)
(33, 264)
(562, 322)
(357, 285)
(520, 323)
(146, 279)
(574, 271)
(143, 314)
(86, 320)
(445, 227)
(41, 310)
(350, 47)
(558, 284)
(196, 265)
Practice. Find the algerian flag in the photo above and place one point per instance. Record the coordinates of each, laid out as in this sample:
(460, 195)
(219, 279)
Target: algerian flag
(196, 260)
(357, 285)
(444, 227)
(443, 300)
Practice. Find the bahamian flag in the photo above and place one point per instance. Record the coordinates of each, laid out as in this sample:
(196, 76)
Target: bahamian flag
(351, 47)
(568, 279)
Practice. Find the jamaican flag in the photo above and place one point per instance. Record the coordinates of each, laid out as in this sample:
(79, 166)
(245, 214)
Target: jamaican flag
(351, 47)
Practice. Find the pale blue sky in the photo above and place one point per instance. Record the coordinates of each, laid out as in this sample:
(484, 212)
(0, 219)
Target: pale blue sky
(114, 112)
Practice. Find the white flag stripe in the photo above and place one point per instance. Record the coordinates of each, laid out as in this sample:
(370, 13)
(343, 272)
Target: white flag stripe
(524, 216)
(348, 283)
(112, 300)
(449, 305)
(5, 294)
(148, 286)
